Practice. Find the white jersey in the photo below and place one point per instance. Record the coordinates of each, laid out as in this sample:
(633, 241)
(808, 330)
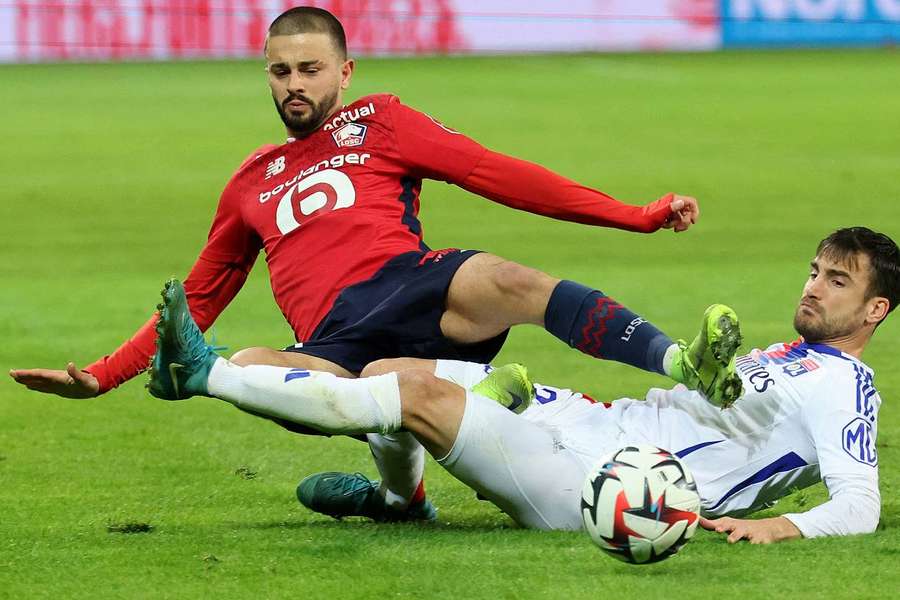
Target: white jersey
(808, 413)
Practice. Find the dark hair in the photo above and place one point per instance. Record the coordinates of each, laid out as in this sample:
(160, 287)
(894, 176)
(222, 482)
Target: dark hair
(309, 19)
(884, 257)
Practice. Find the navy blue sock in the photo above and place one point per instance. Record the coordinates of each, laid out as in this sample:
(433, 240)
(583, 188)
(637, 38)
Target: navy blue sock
(596, 324)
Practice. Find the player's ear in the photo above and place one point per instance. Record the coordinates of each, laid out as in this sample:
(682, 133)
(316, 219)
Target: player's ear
(347, 72)
(877, 309)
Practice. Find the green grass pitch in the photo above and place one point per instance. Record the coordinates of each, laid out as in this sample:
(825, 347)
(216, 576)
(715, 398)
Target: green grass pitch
(109, 175)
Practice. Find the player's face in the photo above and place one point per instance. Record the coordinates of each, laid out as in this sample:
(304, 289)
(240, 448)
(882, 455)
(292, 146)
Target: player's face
(307, 76)
(834, 306)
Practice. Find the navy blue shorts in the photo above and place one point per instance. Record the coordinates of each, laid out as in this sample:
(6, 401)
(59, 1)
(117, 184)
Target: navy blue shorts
(396, 313)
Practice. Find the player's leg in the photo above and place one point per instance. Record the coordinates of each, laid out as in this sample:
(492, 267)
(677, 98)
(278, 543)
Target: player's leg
(399, 457)
(496, 463)
(513, 462)
(279, 358)
(488, 294)
(516, 464)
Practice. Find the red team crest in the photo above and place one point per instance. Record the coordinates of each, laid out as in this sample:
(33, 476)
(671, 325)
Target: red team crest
(350, 135)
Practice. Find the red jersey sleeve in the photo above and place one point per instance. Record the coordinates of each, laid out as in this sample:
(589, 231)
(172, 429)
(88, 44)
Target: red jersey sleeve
(430, 150)
(215, 279)
(434, 151)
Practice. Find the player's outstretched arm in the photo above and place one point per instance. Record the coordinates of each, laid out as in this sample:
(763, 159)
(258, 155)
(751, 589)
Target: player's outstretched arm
(434, 151)
(755, 531)
(71, 383)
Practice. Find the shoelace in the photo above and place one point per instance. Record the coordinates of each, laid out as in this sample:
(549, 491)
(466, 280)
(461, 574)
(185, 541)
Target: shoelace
(354, 483)
(190, 331)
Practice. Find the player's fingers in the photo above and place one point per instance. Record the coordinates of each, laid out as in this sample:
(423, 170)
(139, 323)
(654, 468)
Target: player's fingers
(77, 375)
(25, 372)
(708, 524)
(38, 385)
(692, 207)
(678, 221)
(689, 208)
(36, 378)
(677, 204)
(726, 525)
(736, 535)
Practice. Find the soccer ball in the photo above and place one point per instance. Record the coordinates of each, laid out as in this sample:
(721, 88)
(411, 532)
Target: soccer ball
(640, 504)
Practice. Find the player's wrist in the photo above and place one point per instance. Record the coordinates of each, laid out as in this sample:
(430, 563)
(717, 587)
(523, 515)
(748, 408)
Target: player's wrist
(94, 383)
(656, 213)
(785, 529)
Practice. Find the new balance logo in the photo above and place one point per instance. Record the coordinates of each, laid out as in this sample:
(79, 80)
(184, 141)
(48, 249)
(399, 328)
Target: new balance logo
(275, 167)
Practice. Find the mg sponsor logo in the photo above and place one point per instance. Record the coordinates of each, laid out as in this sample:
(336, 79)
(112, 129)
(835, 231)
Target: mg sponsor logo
(858, 440)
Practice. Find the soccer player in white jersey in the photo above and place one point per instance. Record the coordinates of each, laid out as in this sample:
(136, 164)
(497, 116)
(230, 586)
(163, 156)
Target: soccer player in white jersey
(808, 413)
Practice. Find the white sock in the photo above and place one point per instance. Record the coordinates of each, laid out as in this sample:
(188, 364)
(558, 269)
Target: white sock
(668, 358)
(313, 398)
(400, 459)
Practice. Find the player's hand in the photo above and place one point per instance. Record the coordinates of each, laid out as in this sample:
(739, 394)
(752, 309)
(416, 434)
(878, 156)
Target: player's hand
(71, 383)
(684, 212)
(755, 531)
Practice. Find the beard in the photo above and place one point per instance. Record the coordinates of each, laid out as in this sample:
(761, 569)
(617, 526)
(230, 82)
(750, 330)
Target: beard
(301, 126)
(820, 328)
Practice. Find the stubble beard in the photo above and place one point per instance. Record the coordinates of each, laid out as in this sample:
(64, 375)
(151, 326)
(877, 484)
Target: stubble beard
(301, 126)
(821, 329)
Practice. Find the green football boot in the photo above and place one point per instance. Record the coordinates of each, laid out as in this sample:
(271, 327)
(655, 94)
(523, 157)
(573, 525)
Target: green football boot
(707, 364)
(183, 359)
(342, 495)
(508, 386)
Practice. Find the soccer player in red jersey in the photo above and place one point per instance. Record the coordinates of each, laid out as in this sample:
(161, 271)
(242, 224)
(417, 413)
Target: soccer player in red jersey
(335, 210)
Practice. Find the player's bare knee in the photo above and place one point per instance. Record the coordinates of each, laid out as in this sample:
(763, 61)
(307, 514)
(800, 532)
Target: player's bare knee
(389, 365)
(257, 355)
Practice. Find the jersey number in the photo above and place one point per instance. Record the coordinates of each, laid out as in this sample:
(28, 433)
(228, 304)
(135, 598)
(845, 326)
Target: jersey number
(329, 190)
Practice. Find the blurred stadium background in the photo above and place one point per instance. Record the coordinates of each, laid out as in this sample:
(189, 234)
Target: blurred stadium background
(37, 30)
(780, 115)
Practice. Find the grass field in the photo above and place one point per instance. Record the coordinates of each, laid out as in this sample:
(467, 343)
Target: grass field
(110, 175)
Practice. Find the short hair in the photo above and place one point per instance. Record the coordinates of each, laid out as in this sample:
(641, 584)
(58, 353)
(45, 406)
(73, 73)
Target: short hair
(884, 258)
(309, 19)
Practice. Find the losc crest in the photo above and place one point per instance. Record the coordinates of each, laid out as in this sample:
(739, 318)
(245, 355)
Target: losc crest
(350, 135)
(859, 441)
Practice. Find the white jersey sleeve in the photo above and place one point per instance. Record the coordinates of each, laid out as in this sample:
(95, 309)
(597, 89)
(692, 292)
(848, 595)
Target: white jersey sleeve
(842, 423)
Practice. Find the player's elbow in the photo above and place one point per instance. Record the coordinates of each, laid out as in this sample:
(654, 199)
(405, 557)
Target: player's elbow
(868, 522)
(862, 514)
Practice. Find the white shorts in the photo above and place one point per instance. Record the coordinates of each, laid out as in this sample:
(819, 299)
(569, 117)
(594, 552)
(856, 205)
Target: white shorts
(522, 463)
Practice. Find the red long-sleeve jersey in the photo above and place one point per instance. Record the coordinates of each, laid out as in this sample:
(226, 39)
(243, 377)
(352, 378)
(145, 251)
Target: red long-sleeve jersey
(330, 209)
